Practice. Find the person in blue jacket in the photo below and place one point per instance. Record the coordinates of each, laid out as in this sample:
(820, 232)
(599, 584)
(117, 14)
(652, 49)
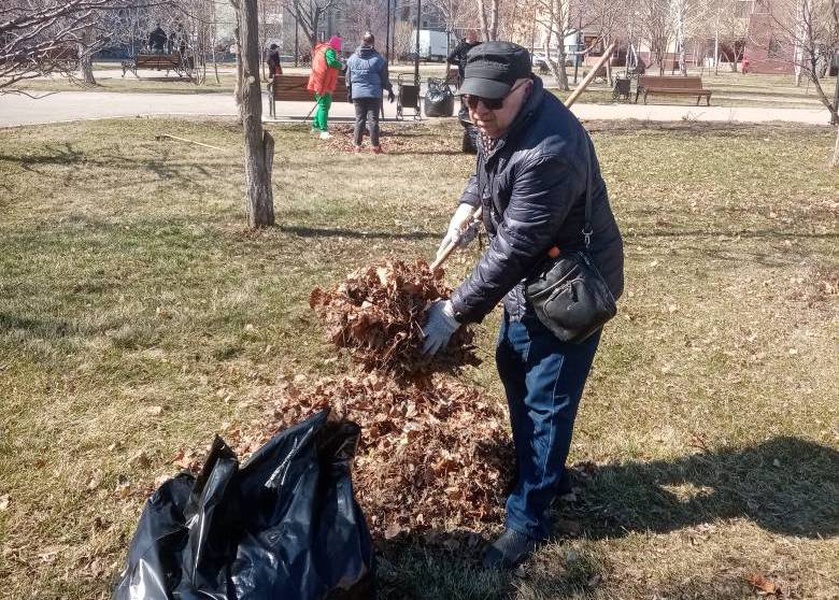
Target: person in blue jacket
(531, 179)
(366, 79)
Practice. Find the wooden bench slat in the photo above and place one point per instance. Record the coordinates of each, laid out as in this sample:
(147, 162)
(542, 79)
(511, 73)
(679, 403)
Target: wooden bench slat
(677, 91)
(293, 88)
(672, 85)
(182, 65)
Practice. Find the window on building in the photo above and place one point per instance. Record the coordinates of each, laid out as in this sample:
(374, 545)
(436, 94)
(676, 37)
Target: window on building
(775, 48)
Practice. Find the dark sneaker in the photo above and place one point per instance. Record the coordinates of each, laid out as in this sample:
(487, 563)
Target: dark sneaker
(509, 550)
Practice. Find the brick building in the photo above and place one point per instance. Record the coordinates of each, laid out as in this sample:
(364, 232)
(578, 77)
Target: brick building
(766, 50)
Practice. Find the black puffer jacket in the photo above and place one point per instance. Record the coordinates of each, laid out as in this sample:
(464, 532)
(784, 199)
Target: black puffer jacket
(458, 55)
(532, 189)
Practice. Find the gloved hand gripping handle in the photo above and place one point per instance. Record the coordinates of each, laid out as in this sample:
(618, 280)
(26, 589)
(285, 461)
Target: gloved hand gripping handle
(441, 258)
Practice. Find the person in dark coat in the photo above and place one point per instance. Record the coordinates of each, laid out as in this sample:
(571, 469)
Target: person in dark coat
(274, 67)
(366, 79)
(157, 40)
(530, 180)
(458, 55)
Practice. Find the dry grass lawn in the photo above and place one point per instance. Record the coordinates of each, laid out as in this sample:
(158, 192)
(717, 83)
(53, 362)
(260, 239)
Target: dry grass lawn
(138, 317)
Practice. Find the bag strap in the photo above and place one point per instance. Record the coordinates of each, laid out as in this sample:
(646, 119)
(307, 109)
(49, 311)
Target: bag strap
(587, 230)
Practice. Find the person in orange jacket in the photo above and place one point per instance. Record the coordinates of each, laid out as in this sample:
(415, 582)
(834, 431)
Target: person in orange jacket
(322, 82)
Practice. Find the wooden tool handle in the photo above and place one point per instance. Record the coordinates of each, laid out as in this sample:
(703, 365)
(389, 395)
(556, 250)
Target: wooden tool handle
(475, 218)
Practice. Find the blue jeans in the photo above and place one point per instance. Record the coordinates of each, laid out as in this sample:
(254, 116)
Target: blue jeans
(543, 379)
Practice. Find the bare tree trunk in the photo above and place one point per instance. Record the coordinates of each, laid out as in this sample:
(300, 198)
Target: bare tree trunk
(86, 65)
(263, 37)
(259, 145)
(214, 40)
(482, 16)
(680, 42)
(86, 58)
(557, 67)
(835, 161)
(488, 28)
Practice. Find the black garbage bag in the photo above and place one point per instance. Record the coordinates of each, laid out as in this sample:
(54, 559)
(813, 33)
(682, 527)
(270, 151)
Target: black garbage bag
(470, 132)
(284, 525)
(439, 99)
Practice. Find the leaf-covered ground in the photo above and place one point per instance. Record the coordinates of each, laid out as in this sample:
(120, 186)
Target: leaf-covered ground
(138, 317)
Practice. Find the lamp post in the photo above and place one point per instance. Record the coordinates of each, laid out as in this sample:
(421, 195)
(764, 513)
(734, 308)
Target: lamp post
(578, 47)
(416, 56)
(836, 91)
(296, 34)
(387, 34)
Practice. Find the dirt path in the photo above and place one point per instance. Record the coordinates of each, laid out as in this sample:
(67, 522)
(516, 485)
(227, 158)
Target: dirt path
(18, 110)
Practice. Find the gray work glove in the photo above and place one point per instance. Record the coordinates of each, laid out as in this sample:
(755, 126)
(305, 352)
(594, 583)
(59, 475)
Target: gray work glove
(462, 230)
(439, 327)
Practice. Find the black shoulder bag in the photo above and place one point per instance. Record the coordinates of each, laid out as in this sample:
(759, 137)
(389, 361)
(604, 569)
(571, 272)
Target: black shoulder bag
(568, 293)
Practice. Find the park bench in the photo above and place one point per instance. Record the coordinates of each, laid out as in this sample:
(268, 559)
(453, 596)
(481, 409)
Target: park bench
(675, 85)
(175, 61)
(292, 88)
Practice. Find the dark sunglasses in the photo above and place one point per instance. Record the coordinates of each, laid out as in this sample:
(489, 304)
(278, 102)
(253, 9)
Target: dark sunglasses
(490, 103)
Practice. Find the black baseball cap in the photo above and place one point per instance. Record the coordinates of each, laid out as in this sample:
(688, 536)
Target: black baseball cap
(493, 67)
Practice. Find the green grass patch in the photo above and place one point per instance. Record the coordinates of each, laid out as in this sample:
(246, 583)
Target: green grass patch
(138, 315)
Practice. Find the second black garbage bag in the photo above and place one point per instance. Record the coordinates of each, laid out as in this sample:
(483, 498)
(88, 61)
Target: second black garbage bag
(283, 525)
(439, 99)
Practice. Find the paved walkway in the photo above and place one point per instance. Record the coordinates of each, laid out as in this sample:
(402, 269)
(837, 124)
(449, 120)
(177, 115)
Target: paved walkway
(17, 109)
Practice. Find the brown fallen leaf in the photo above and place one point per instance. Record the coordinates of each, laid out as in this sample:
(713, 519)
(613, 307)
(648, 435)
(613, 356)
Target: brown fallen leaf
(763, 585)
(140, 460)
(377, 315)
(392, 531)
(95, 481)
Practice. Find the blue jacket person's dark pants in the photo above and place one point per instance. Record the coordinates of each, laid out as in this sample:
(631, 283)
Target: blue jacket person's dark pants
(367, 115)
(544, 379)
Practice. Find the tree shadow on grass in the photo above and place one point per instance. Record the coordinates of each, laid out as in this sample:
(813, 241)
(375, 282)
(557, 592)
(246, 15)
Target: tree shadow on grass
(37, 327)
(409, 152)
(583, 578)
(169, 165)
(785, 485)
(319, 232)
(56, 154)
(435, 565)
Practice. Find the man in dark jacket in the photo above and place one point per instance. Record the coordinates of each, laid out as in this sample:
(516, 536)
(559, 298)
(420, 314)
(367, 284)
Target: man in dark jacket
(366, 78)
(458, 55)
(274, 66)
(157, 40)
(530, 181)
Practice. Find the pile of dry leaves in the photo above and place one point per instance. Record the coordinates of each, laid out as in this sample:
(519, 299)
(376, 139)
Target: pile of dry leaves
(377, 314)
(436, 456)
